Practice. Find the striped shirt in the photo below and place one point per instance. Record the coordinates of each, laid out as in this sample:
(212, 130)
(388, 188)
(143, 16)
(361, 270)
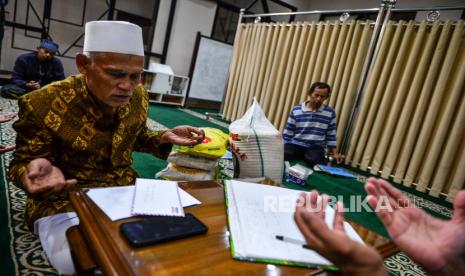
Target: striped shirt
(311, 128)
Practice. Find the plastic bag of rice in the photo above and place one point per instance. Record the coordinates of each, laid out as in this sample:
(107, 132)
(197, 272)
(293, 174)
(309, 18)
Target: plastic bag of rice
(179, 173)
(192, 161)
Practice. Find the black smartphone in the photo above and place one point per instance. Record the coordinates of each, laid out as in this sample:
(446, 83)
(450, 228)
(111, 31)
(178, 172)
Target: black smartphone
(161, 229)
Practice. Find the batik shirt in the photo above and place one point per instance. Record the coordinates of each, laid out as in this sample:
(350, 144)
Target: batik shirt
(64, 123)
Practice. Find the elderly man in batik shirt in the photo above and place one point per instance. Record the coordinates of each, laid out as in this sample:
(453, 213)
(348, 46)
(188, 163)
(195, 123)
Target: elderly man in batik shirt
(81, 132)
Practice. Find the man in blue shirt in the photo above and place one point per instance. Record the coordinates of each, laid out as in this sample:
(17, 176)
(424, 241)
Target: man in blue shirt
(35, 70)
(311, 128)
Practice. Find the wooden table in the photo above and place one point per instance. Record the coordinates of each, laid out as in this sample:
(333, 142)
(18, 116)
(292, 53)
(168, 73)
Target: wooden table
(97, 242)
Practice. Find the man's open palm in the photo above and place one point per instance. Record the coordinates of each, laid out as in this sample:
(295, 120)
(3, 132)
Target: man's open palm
(184, 136)
(429, 241)
(42, 176)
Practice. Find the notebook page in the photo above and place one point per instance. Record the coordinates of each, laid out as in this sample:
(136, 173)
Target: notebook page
(156, 197)
(116, 202)
(233, 222)
(261, 212)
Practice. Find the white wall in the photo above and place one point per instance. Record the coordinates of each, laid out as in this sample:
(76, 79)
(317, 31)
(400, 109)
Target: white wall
(160, 29)
(160, 26)
(191, 16)
(63, 34)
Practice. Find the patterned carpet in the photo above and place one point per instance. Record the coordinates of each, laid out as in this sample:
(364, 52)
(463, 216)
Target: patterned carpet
(23, 255)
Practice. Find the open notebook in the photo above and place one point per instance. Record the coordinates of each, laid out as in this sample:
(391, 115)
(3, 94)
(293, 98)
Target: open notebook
(117, 202)
(258, 213)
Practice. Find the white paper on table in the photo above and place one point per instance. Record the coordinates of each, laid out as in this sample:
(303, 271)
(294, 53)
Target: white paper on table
(157, 198)
(186, 199)
(116, 202)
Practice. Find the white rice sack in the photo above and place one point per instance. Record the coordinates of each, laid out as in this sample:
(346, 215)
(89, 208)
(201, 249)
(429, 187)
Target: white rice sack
(257, 145)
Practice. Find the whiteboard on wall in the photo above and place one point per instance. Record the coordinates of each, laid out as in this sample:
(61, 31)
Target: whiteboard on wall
(211, 68)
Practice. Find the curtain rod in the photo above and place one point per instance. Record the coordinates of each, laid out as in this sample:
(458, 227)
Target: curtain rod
(353, 10)
(361, 23)
(308, 12)
(439, 8)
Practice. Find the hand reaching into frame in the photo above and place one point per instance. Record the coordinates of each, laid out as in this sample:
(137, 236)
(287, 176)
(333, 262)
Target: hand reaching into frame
(183, 136)
(350, 256)
(437, 245)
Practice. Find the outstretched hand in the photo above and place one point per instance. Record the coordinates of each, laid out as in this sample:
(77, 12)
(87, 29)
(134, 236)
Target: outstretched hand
(437, 245)
(41, 176)
(350, 256)
(183, 136)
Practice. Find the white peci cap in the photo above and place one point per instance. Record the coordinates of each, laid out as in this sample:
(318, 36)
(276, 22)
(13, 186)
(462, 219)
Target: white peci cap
(114, 37)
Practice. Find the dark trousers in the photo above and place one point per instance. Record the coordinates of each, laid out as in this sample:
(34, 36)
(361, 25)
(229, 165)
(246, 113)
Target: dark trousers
(312, 155)
(12, 91)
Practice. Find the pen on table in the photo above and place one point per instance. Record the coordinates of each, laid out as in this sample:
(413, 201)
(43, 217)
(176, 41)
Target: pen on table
(291, 240)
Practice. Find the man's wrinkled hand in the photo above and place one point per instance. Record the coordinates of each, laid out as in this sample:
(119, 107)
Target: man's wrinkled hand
(41, 176)
(183, 136)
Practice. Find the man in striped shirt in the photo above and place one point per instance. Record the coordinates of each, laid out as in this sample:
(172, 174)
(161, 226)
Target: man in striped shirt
(311, 128)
